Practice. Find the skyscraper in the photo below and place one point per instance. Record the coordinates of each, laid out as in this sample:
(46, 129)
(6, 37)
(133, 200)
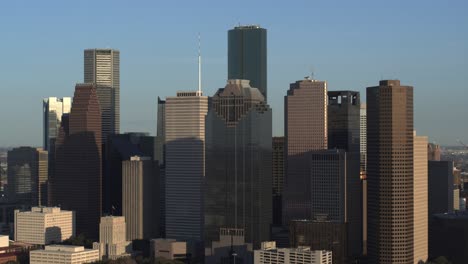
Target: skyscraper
(185, 165)
(53, 109)
(420, 190)
(440, 187)
(27, 176)
(77, 182)
(140, 198)
(305, 115)
(160, 132)
(433, 152)
(363, 137)
(238, 163)
(278, 178)
(247, 56)
(390, 173)
(102, 67)
(344, 120)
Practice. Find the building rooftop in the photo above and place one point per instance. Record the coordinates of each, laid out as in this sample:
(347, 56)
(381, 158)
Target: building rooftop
(66, 248)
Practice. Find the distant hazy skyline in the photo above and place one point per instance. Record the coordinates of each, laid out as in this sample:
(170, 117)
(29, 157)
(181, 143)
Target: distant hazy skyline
(350, 44)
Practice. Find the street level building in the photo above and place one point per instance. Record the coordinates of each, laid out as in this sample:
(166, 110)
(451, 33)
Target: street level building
(63, 254)
(269, 254)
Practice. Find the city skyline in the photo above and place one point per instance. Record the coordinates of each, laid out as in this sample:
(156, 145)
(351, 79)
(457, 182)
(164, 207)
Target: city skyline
(154, 68)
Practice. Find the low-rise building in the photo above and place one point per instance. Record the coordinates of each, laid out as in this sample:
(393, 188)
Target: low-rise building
(269, 254)
(170, 249)
(112, 238)
(44, 225)
(63, 254)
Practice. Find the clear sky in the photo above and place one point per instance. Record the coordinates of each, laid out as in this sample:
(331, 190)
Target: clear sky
(350, 44)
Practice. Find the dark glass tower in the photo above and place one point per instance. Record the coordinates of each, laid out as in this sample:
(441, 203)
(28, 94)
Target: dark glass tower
(247, 56)
(238, 163)
(343, 120)
(77, 182)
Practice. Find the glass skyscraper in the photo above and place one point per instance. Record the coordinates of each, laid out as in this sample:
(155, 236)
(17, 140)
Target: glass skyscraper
(247, 56)
(238, 163)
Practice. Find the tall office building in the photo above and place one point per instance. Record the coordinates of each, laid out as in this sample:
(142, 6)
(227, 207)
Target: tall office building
(119, 148)
(102, 67)
(77, 181)
(140, 197)
(160, 133)
(440, 184)
(278, 178)
(363, 137)
(27, 176)
(344, 120)
(53, 109)
(420, 190)
(238, 163)
(390, 173)
(247, 56)
(433, 152)
(305, 126)
(185, 165)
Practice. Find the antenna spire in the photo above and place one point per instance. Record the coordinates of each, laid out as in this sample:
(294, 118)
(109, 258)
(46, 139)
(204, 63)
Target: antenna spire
(199, 65)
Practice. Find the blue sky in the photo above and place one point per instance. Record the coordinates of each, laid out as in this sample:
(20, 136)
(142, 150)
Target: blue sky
(350, 44)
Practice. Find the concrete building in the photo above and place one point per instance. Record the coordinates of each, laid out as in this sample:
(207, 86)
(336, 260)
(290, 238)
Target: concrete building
(77, 182)
(247, 56)
(112, 238)
(231, 243)
(44, 225)
(238, 163)
(305, 117)
(169, 249)
(185, 166)
(53, 109)
(278, 178)
(420, 190)
(27, 176)
(390, 190)
(269, 254)
(63, 254)
(102, 68)
(139, 197)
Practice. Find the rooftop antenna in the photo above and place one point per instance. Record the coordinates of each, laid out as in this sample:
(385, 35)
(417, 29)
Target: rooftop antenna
(199, 65)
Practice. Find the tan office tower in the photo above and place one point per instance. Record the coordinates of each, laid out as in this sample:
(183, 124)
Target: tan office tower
(305, 110)
(139, 197)
(112, 238)
(102, 67)
(185, 165)
(390, 173)
(420, 190)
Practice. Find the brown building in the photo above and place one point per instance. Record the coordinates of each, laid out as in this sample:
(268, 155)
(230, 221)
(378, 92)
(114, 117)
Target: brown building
(278, 177)
(390, 173)
(433, 152)
(77, 182)
(305, 114)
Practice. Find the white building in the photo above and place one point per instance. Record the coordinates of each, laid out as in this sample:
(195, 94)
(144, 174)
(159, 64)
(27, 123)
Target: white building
(53, 109)
(44, 225)
(112, 238)
(61, 254)
(269, 254)
(170, 249)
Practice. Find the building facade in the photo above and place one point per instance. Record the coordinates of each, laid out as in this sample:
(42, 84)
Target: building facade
(112, 238)
(44, 225)
(185, 165)
(27, 176)
(269, 254)
(440, 184)
(139, 197)
(169, 249)
(102, 68)
(420, 190)
(390, 173)
(53, 109)
(231, 242)
(247, 56)
(238, 163)
(63, 254)
(77, 182)
(305, 116)
(278, 178)
(343, 117)
(363, 137)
